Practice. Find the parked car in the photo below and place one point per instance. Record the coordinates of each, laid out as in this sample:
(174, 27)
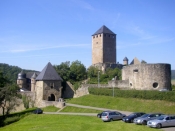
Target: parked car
(146, 117)
(99, 114)
(132, 116)
(162, 121)
(111, 116)
(38, 111)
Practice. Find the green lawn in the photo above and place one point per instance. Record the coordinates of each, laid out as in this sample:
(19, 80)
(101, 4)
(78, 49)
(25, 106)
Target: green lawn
(125, 104)
(80, 110)
(47, 122)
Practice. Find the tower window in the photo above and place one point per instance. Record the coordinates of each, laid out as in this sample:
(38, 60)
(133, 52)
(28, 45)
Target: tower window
(96, 42)
(96, 35)
(135, 71)
(100, 35)
(93, 36)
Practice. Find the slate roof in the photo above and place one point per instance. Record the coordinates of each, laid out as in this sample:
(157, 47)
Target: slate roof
(48, 73)
(103, 29)
(125, 59)
(30, 74)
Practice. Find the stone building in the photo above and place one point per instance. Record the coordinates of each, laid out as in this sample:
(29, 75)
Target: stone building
(104, 49)
(136, 75)
(44, 86)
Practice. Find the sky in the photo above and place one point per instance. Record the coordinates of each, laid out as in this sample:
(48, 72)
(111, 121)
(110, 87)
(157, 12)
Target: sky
(35, 32)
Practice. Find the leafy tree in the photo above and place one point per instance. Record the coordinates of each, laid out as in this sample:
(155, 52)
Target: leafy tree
(63, 70)
(112, 73)
(92, 71)
(8, 95)
(77, 71)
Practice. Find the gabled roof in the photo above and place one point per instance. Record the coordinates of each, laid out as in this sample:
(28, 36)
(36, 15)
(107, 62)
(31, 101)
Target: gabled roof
(135, 61)
(48, 73)
(103, 29)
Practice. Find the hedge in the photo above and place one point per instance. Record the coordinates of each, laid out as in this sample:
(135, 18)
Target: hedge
(140, 94)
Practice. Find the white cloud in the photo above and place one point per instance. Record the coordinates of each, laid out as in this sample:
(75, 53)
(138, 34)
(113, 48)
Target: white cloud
(27, 48)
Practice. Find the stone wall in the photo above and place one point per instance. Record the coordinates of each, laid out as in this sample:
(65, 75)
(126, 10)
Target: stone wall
(148, 76)
(68, 92)
(119, 83)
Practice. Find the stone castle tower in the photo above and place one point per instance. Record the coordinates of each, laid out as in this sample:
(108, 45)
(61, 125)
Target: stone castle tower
(103, 46)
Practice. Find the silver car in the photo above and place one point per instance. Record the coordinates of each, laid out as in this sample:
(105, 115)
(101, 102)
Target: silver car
(146, 117)
(111, 116)
(162, 121)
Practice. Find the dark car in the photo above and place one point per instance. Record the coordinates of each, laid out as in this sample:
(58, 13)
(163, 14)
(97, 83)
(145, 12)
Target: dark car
(38, 111)
(131, 117)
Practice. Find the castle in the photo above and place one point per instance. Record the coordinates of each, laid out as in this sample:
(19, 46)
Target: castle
(45, 87)
(136, 75)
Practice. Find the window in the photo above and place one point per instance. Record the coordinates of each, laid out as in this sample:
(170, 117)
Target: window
(155, 85)
(51, 85)
(135, 70)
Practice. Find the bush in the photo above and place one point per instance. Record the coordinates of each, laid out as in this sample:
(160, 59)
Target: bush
(10, 120)
(140, 94)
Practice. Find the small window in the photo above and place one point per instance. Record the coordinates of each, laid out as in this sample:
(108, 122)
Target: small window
(155, 85)
(130, 84)
(93, 36)
(96, 35)
(96, 42)
(135, 70)
(100, 35)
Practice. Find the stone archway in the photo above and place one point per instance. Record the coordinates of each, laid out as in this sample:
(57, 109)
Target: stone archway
(51, 97)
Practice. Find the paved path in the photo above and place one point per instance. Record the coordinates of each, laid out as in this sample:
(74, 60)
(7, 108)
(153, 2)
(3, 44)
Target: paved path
(95, 114)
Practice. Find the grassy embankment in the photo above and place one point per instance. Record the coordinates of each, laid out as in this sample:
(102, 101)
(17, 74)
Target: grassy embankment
(124, 104)
(47, 122)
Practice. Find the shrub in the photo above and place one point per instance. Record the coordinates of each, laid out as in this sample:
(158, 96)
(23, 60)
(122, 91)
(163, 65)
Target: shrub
(140, 94)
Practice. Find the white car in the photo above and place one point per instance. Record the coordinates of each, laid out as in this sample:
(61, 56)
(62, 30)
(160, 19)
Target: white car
(162, 121)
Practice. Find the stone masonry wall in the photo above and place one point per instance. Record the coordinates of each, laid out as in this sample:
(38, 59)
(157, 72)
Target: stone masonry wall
(148, 76)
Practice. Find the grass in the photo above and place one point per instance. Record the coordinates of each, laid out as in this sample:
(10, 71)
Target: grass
(125, 104)
(80, 110)
(47, 122)
(50, 109)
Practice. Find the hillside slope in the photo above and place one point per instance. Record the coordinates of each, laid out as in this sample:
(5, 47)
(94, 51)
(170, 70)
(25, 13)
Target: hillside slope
(11, 72)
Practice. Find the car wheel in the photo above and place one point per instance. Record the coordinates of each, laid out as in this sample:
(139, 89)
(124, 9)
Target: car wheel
(131, 120)
(111, 119)
(144, 122)
(98, 116)
(158, 125)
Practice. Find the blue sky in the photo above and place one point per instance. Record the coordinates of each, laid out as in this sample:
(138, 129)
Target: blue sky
(35, 32)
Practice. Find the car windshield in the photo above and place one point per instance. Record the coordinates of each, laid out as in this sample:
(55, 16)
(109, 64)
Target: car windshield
(132, 115)
(146, 115)
(104, 114)
(160, 118)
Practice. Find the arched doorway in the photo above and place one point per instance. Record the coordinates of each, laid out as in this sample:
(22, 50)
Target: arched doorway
(51, 97)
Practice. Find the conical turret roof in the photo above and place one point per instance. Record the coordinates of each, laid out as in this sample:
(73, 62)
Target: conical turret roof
(103, 29)
(34, 75)
(48, 73)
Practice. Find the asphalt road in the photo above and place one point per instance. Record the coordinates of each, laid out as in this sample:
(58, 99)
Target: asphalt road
(95, 114)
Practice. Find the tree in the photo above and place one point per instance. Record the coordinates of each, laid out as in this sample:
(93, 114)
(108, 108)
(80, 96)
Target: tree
(63, 70)
(112, 73)
(8, 95)
(92, 71)
(77, 71)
